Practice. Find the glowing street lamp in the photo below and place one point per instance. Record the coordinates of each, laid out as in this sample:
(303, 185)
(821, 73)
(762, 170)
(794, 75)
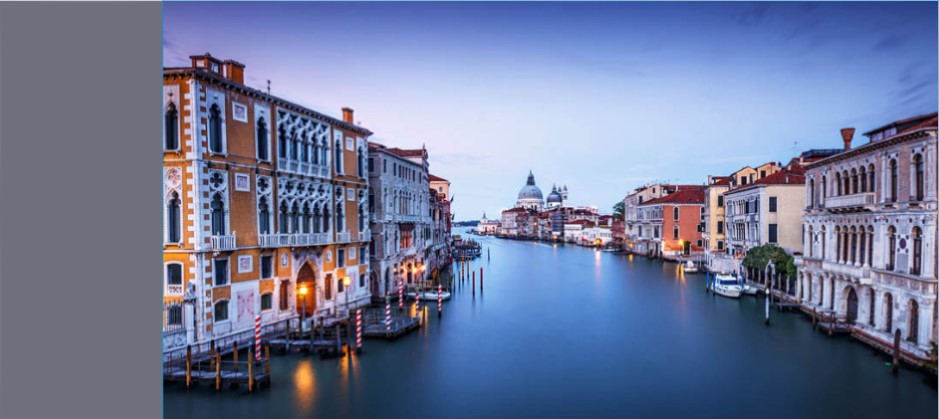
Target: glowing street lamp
(303, 293)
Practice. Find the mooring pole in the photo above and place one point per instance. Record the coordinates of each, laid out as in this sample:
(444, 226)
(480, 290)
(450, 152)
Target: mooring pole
(250, 370)
(767, 308)
(480, 279)
(896, 351)
(474, 283)
(439, 300)
(235, 354)
(188, 366)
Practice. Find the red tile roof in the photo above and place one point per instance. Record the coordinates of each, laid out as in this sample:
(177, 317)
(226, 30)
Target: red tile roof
(693, 195)
(434, 178)
(929, 117)
(794, 175)
(585, 223)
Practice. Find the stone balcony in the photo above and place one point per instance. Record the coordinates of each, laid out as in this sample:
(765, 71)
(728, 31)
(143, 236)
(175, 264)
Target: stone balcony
(343, 237)
(222, 243)
(861, 274)
(854, 202)
(297, 239)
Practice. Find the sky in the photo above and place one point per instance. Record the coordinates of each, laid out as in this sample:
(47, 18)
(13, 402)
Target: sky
(600, 97)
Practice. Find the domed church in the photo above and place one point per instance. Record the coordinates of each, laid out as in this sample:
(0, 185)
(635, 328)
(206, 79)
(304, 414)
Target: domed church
(530, 196)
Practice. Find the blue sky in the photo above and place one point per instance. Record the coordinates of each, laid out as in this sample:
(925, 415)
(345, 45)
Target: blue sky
(602, 97)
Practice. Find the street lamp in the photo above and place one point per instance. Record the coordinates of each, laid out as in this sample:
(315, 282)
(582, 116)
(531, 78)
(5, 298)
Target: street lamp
(346, 281)
(303, 292)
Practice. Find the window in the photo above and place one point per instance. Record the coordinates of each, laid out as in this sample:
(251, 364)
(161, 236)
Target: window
(772, 233)
(340, 286)
(893, 180)
(699, 243)
(174, 315)
(811, 193)
(264, 216)
(220, 270)
(675, 213)
(338, 151)
(675, 232)
(838, 184)
(295, 218)
(174, 278)
(221, 311)
(282, 143)
(891, 248)
(720, 245)
(173, 219)
(854, 181)
(305, 221)
(825, 189)
(720, 200)
(919, 176)
(870, 177)
(284, 293)
(215, 129)
(267, 301)
(284, 216)
(916, 267)
(262, 140)
(720, 227)
(218, 215)
(762, 174)
(862, 175)
(171, 128)
(267, 266)
(361, 281)
(371, 165)
(361, 163)
(772, 204)
(340, 258)
(340, 219)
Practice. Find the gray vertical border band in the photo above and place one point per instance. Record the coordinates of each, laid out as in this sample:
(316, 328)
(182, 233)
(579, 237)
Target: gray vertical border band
(80, 250)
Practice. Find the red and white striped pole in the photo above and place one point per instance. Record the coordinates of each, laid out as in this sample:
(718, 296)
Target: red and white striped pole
(439, 299)
(257, 338)
(358, 330)
(387, 315)
(401, 295)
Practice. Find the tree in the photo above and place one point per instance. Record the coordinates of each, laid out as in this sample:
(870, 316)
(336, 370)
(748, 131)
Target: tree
(619, 210)
(758, 257)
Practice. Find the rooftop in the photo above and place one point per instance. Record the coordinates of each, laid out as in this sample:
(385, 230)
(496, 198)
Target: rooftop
(693, 195)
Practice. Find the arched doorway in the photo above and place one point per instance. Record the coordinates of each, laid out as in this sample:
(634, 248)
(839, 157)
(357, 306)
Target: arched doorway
(306, 278)
(871, 308)
(888, 312)
(373, 283)
(852, 305)
(912, 333)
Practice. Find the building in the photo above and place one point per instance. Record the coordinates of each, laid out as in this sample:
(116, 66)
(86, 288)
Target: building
(262, 198)
(530, 196)
(634, 240)
(713, 232)
(869, 254)
(670, 226)
(401, 219)
(487, 226)
(768, 210)
(441, 186)
(438, 251)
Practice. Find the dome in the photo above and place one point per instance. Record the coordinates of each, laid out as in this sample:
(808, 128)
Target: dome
(530, 191)
(554, 197)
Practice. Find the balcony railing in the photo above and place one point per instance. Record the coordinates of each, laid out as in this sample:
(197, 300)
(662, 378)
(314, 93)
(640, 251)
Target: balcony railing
(303, 168)
(858, 200)
(343, 237)
(174, 290)
(222, 243)
(860, 273)
(295, 239)
(268, 240)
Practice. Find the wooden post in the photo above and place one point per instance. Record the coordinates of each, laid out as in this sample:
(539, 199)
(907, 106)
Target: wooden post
(267, 366)
(338, 340)
(188, 366)
(480, 279)
(896, 351)
(218, 371)
(250, 369)
(235, 354)
(212, 355)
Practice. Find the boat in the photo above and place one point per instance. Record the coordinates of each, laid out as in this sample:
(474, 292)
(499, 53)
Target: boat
(690, 268)
(749, 289)
(727, 285)
(430, 295)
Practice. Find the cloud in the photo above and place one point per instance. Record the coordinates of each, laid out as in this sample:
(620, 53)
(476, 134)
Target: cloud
(890, 43)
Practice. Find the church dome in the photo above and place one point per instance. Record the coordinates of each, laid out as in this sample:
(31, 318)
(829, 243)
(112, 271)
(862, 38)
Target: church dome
(530, 191)
(554, 197)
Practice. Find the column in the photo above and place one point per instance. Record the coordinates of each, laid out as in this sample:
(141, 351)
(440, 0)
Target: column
(925, 323)
(878, 309)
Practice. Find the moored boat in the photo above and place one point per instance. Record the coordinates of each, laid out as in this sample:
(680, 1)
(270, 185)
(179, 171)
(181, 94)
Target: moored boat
(726, 285)
(690, 267)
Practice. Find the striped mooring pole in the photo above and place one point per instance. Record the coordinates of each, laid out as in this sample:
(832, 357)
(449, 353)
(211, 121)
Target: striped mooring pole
(358, 330)
(439, 300)
(257, 338)
(387, 314)
(401, 295)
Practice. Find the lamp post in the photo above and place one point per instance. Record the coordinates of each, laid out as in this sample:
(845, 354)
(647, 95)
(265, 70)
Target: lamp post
(346, 282)
(303, 292)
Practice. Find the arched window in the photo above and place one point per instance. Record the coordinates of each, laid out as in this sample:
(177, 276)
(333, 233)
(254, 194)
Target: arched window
(215, 129)
(262, 139)
(173, 215)
(893, 180)
(284, 295)
(221, 311)
(811, 242)
(171, 128)
(888, 312)
(264, 216)
(675, 213)
(853, 245)
(361, 218)
(323, 151)
(174, 278)
(282, 142)
(916, 267)
(862, 177)
(294, 146)
(811, 193)
(891, 248)
(822, 247)
(306, 219)
(675, 232)
(912, 329)
(824, 190)
(325, 219)
(316, 152)
(837, 243)
(862, 246)
(847, 183)
(340, 219)
(919, 177)
(838, 184)
(338, 151)
(284, 216)
(361, 163)
(218, 215)
(854, 181)
(294, 218)
(304, 151)
(870, 178)
(317, 220)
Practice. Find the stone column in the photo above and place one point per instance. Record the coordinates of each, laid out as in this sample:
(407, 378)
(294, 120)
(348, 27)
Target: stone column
(925, 323)
(878, 309)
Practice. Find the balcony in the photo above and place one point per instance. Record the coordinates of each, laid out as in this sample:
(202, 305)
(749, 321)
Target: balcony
(862, 274)
(853, 202)
(268, 240)
(343, 237)
(297, 239)
(222, 243)
(303, 168)
(174, 290)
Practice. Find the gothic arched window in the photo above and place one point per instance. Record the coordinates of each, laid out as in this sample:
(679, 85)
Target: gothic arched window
(173, 219)
(218, 215)
(171, 128)
(262, 139)
(215, 129)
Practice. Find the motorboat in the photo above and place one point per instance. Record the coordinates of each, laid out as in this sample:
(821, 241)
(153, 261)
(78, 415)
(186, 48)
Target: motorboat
(690, 268)
(726, 285)
(750, 289)
(430, 295)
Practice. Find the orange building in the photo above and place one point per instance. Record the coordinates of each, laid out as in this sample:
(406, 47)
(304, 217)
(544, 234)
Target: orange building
(675, 222)
(262, 198)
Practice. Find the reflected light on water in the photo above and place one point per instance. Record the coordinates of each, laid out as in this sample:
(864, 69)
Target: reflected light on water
(304, 385)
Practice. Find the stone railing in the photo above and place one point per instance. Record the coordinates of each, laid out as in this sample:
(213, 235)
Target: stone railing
(222, 243)
(850, 201)
(343, 237)
(860, 273)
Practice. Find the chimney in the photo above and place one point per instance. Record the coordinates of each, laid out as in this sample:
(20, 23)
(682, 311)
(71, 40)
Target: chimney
(847, 134)
(347, 115)
(235, 71)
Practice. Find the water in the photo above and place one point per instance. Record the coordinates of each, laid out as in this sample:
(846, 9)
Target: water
(570, 332)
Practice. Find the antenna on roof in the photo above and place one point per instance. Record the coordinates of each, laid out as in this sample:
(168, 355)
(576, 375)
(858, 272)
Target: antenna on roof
(794, 143)
(268, 87)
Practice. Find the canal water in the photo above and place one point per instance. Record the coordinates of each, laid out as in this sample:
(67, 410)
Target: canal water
(565, 331)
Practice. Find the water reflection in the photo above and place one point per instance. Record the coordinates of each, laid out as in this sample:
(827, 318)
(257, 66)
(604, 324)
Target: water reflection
(304, 385)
